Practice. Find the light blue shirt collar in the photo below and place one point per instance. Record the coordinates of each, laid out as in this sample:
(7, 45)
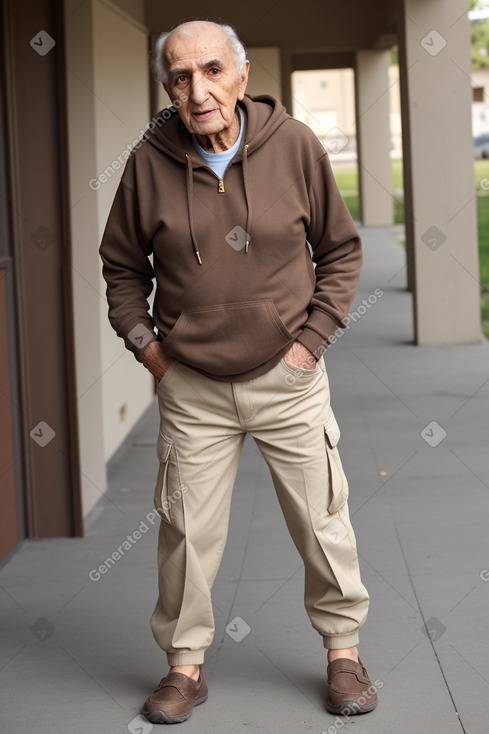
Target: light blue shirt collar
(218, 162)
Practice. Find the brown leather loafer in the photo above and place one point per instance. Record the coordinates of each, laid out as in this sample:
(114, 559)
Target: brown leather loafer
(174, 699)
(350, 691)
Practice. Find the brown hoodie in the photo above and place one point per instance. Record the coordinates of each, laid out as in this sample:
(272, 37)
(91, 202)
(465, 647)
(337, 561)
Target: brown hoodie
(235, 283)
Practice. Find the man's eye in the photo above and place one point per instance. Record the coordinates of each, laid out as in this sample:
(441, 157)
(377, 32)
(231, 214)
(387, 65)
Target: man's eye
(181, 79)
(214, 71)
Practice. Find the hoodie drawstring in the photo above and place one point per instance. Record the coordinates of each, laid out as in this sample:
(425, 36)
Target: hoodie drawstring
(247, 195)
(190, 196)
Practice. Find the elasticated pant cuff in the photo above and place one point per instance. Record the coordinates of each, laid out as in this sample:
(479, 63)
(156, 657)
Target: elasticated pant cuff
(341, 642)
(188, 657)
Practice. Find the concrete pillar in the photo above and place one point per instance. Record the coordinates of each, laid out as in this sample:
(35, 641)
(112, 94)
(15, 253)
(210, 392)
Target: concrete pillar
(406, 156)
(373, 137)
(264, 71)
(286, 69)
(435, 64)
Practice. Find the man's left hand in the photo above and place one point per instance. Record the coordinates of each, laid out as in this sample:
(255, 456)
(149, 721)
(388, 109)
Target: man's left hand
(300, 356)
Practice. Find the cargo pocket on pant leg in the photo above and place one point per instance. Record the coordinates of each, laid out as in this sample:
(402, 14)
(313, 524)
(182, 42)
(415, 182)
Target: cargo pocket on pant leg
(167, 490)
(338, 483)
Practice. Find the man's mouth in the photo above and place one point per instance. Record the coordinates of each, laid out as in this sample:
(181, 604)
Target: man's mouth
(203, 115)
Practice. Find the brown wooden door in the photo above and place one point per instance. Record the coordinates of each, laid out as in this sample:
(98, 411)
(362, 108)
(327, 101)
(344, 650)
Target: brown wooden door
(38, 313)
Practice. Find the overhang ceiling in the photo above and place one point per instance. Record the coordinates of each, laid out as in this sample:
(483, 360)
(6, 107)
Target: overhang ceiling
(300, 26)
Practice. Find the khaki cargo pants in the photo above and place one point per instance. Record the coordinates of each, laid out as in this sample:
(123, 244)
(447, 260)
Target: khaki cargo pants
(203, 426)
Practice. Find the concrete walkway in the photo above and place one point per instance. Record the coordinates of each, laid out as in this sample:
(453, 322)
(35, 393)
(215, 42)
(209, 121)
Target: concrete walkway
(78, 656)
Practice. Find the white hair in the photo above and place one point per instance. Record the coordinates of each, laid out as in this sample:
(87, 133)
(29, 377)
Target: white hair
(160, 68)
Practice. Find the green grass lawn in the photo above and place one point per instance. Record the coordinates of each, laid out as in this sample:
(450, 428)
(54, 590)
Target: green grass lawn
(347, 180)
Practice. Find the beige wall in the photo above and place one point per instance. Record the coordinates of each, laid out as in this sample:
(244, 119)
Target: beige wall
(108, 103)
(324, 99)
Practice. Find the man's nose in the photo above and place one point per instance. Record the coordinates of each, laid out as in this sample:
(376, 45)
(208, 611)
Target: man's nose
(198, 90)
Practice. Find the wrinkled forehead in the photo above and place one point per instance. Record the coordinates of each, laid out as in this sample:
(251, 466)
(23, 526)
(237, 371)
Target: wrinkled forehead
(194, 47)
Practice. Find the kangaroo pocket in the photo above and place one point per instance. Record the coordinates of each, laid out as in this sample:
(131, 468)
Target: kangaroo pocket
(228, 339)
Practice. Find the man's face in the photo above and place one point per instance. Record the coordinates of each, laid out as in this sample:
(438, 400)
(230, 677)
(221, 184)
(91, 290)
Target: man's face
(202, 71)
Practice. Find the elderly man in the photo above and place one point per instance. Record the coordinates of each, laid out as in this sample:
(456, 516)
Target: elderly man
(231, 196)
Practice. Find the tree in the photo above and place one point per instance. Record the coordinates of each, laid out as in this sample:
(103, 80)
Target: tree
(477, 4)
(480, 43)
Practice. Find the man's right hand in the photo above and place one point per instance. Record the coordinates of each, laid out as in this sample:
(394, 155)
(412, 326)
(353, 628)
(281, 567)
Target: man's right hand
(155, 360)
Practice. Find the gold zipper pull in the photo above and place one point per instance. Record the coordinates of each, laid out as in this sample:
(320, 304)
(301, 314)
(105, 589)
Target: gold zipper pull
(220, 187)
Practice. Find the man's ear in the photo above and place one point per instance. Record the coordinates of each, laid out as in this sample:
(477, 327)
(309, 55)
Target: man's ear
(243, 76)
